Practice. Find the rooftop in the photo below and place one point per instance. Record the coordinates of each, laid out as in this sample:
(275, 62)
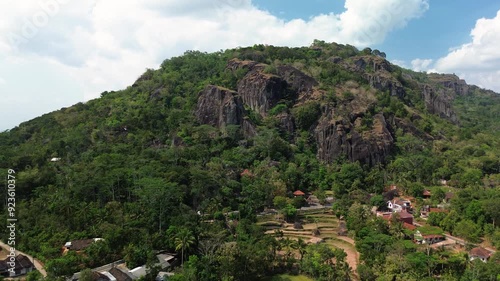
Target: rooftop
(480, 252)
(299, 193)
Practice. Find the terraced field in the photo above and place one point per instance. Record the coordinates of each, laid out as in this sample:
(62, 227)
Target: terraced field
(326, 223)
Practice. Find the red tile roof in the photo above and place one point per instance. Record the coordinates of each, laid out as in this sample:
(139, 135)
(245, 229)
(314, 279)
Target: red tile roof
(299, 193)
(409, 226)
(427, 193)
(405, 215)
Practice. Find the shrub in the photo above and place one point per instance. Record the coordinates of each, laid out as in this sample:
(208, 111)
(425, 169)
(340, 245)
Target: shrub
(306, 115)
(279, 108)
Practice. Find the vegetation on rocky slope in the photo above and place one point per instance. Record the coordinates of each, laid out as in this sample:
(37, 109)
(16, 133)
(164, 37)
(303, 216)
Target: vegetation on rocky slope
(135, 166)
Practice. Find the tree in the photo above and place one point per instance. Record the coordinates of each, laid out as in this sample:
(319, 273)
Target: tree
(289, 212)
(469, 230)
(323, 263)
(378, 201)
(492, 209)
(280, 202)
(35, 275)
(184, 239)
(86, 275)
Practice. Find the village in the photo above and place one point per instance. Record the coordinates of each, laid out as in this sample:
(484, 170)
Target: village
(315, 222)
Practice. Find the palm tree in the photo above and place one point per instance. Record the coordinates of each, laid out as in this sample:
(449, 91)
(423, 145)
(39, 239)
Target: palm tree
(183, 241)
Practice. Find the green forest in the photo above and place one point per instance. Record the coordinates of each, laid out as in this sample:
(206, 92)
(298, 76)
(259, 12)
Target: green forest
(187, 157)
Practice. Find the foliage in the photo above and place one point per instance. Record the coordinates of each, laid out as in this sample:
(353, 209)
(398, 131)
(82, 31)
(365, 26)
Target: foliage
(138, 170)
(306, 115)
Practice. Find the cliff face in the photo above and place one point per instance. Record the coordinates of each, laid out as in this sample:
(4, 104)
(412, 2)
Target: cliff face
(335, 139)
(342, 130)
(219, 107)
(439, 102)
(377, 71)
(261, 91)
(335, 135)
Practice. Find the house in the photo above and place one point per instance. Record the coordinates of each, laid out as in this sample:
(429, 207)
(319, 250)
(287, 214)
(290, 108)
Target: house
(12, 267)
(399, 205)
(426, 210)
(426, 194)
(408, 226)
(78, 245)
(406, 217)
(429, 238)
(166, 260)
(298, 193)
(120, 275)
(479, 253)
(118, 271)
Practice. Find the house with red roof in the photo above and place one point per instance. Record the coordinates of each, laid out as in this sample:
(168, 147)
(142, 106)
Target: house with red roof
(479, 253)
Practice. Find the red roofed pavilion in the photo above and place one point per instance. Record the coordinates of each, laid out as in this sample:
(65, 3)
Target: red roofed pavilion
(299, 193)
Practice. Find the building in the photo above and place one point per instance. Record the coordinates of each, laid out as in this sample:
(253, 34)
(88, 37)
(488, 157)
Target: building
(120, 275)
(20, 266)
(408, 226)
(298, 193)
(426, 210)
(428, 239)
(118, 271)
(479, 253)
(399, 205)
(406, 217)
(426, 194)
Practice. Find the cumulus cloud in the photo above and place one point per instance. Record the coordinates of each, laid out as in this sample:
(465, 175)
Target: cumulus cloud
(478, 61)
(106, 45)
(421, 64)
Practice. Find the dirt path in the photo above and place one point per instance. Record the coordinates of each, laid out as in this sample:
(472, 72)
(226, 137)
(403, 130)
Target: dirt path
(352, 255)
(38, 264)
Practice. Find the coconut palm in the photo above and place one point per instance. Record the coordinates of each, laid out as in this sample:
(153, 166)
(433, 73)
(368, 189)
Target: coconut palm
(183, 241)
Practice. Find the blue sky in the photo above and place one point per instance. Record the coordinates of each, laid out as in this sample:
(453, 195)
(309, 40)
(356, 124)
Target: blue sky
(55, 53)
(446, 24)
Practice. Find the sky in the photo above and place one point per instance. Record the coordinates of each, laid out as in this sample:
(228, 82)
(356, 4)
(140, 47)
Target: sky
(55, 53)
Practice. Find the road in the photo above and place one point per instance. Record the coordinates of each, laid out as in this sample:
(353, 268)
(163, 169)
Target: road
(37, 263)
(458, 240)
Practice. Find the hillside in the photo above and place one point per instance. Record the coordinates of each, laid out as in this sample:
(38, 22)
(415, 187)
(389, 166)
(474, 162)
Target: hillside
(141, 162)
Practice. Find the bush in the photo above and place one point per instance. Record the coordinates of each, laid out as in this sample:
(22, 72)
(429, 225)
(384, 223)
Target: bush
(306, 115)
(279, 108)
(270, 69)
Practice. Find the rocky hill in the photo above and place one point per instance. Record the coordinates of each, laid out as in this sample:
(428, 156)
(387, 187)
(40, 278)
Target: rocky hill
(240, 129)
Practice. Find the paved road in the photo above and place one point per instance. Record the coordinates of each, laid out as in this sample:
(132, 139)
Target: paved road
(37, 263)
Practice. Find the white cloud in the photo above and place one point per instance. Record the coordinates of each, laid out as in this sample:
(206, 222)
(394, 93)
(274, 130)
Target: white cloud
(421, 64)
(106, 45)
(2, 81)
(478, 62)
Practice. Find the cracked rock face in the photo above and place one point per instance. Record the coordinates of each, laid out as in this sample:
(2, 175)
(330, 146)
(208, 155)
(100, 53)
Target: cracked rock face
(261, 91)
(219, 107)
(335, 139)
